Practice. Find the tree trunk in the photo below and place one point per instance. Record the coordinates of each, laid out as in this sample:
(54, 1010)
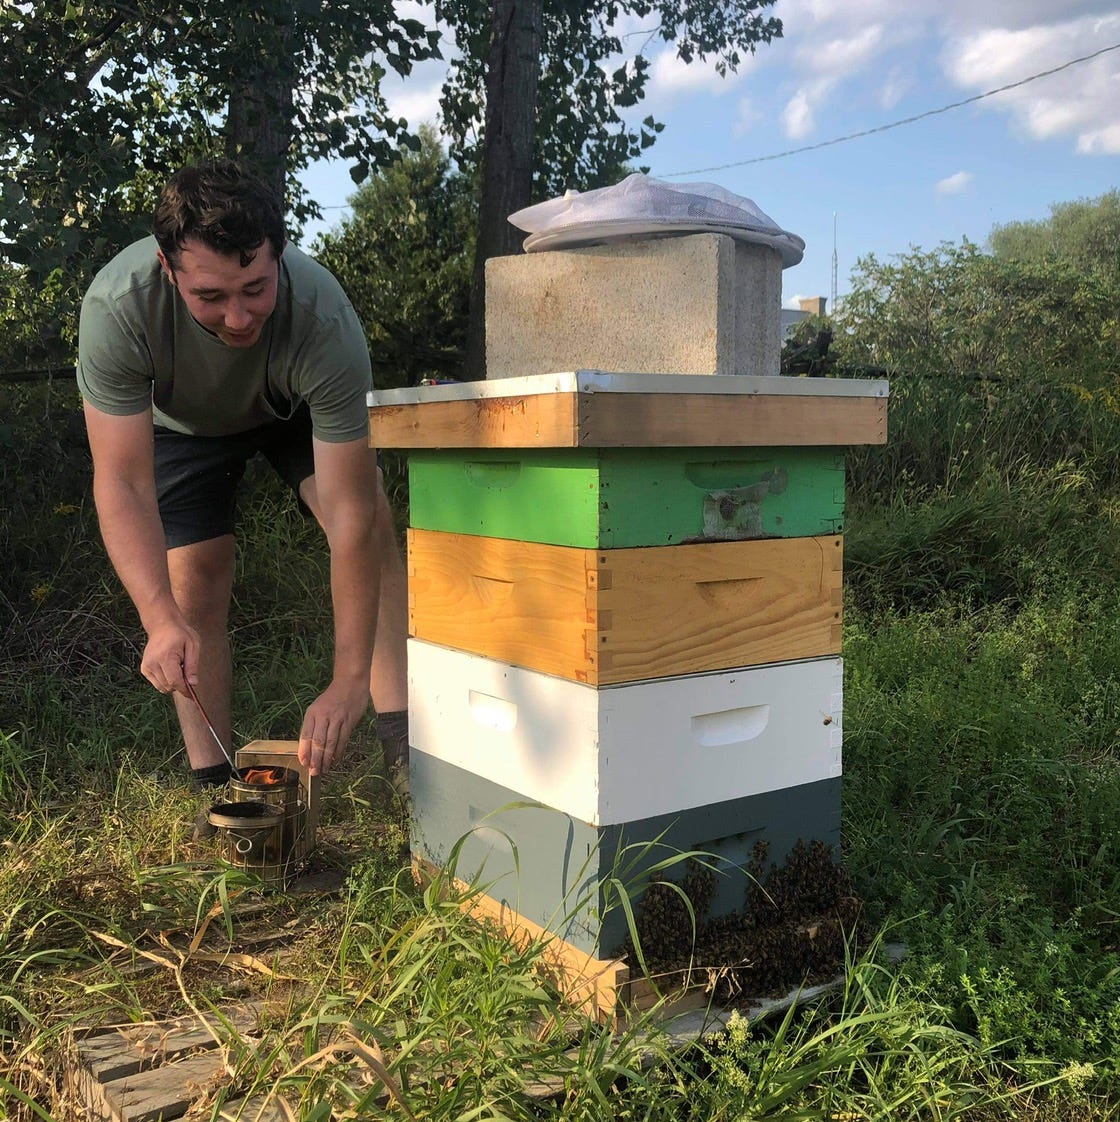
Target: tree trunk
(258, 129)
(512, 71)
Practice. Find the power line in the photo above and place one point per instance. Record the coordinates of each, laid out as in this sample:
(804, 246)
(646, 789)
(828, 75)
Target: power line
(897, 124)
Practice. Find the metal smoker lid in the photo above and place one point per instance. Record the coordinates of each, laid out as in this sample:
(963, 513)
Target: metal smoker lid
(245, 816)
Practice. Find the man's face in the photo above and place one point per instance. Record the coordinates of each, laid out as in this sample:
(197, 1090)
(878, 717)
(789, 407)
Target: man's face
(232, 301)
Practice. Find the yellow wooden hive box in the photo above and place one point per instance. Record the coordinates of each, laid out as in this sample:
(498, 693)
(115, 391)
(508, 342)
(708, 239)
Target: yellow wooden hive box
(619, 615)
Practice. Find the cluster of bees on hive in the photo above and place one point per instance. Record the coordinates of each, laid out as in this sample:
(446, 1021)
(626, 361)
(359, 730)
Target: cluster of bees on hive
(792, 930)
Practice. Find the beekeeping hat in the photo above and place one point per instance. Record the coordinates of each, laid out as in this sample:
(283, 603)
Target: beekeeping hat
(643, 207)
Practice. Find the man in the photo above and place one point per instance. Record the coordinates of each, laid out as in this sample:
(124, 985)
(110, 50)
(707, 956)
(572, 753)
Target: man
(199, 348)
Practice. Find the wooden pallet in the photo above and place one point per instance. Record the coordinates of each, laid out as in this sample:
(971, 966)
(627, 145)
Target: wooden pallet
(154, 1071)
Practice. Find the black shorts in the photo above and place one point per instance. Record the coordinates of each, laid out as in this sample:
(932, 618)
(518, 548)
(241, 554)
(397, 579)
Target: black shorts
(197, 476)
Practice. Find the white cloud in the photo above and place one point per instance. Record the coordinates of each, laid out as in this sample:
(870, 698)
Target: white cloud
(855, 54)
(1078, 102)
(892, 90)
(416, 9)
(415, 103)
(671, 74)
(955, 184)
(798, 115)
(746, 117)
(1014, 14)
(833, 45)
(1097, 142)
(844, 55)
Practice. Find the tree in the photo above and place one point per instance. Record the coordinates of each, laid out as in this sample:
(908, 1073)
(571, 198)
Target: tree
(506, 165)
(39, 339)
(959, 315)
(559, 72)
(99, 100)
(1084, 233)
(404, 259)
(995, 364)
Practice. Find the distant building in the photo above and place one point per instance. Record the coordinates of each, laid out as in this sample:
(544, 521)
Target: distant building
(810, 306)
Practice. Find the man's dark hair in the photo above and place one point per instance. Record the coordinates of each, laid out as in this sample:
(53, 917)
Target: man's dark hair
(224, 206)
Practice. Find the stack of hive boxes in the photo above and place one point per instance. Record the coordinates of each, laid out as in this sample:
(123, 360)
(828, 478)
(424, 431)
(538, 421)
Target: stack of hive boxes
(625, 614)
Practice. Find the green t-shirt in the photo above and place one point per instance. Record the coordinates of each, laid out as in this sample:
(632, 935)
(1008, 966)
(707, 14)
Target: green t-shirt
(138, 345)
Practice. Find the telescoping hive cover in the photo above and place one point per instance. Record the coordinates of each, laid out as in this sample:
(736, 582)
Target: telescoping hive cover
(643, 207)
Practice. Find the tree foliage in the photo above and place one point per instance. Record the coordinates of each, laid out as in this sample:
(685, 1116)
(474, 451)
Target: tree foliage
(99, 100)
(997, 365)
(535, 95)
(1084, 234)
(404, 258)
(589, 75)
(37, 324)
(959, 313)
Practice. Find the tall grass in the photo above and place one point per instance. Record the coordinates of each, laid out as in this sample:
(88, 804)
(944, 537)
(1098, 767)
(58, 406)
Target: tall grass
(945, 432)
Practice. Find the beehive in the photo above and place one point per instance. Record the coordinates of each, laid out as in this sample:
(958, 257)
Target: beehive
(562, 874)
(604, 498)
(625, 598)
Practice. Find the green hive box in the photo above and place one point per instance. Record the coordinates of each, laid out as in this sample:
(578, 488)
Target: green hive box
(602, 498)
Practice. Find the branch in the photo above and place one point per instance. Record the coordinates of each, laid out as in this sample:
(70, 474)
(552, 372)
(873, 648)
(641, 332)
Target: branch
(40, 375)
(101, 40)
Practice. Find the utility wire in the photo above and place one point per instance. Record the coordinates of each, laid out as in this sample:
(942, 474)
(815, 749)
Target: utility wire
(897, 124)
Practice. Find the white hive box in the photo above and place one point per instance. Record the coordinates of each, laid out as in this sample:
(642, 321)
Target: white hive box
(699, 304)
(623, 753)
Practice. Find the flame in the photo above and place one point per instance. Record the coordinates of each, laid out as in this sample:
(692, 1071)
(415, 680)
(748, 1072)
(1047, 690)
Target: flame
(264, 776)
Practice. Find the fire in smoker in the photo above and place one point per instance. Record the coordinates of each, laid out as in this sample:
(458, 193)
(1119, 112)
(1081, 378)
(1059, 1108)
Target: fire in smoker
(263, 776)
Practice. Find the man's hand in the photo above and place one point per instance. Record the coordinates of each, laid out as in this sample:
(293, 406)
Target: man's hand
(328, 723)
(171, 657)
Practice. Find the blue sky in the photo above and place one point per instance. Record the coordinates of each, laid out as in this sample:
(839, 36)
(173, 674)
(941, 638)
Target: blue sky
(844, 66)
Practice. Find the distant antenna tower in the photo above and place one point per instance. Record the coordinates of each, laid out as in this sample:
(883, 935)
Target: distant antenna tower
(832, 301)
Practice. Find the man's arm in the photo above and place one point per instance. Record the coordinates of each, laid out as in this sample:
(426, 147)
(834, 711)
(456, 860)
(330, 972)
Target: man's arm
(124, 491)
(345, 498)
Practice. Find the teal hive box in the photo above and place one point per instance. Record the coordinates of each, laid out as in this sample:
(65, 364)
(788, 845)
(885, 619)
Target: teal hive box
(554, 870)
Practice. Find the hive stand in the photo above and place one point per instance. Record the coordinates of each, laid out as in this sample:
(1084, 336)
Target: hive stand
(625, 622)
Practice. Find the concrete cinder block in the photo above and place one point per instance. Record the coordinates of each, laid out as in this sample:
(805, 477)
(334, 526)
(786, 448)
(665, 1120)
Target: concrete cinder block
(700, 304)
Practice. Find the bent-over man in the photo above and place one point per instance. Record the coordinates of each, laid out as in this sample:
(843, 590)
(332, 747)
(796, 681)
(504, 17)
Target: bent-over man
(199, 348)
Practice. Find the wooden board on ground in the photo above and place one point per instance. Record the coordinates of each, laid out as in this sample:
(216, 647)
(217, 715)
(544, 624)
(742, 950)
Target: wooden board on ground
(155, 1071)
(593, 985)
